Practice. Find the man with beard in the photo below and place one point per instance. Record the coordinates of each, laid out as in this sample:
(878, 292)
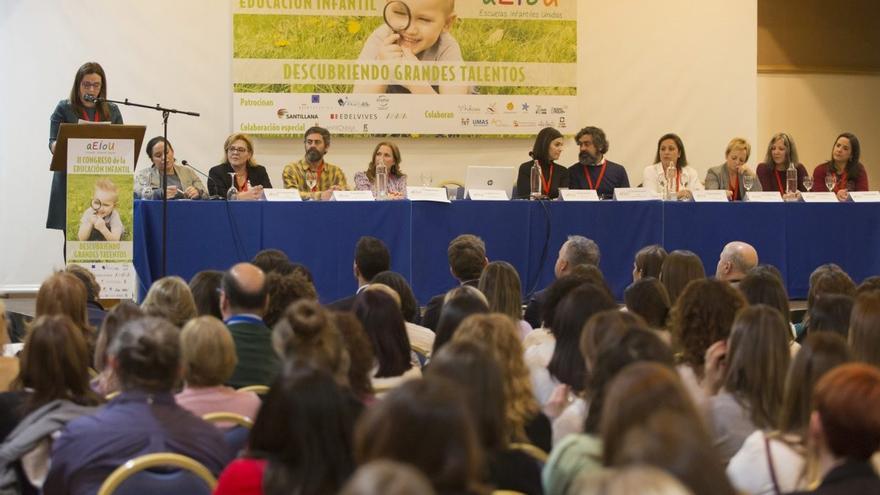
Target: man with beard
(312, 176)
(593, 171)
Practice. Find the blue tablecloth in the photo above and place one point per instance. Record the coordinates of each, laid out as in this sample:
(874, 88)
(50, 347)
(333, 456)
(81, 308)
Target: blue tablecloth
(796, 237)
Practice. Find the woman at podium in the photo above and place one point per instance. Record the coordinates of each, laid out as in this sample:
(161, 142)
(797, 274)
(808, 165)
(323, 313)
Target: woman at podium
(89, 84)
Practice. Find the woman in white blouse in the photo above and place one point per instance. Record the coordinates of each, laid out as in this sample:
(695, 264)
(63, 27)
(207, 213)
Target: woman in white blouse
(670, 153)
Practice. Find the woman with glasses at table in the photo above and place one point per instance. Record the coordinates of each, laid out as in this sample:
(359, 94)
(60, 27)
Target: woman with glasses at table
(89, 83)
(781, 151)
(733, 173)
(250, 178)
(844, 172)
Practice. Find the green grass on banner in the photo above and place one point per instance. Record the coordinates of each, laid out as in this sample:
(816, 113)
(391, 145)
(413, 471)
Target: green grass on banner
(81, 189)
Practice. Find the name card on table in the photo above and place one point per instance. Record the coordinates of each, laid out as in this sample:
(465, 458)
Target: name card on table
(710, 196)
(864, 196)
(282, 195)
(352, 196)
(420, 193)
(819, 197)
(578, 195)
(764, 197)
(635, 194)
(487, 195)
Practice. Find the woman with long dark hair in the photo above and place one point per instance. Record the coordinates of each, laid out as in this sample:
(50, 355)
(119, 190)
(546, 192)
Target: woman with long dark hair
(545, 151)
(844, 168)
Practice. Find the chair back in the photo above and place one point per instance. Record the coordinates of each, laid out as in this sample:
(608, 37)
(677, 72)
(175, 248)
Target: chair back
(139, 476)
(257, 389)
(235, 427)
(527, 448)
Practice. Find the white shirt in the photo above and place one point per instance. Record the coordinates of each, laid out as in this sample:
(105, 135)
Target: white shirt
(750, 473)
(537, 358)
(655, 180)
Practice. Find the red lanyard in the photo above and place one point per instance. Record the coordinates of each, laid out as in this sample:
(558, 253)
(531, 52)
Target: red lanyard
(546, 180)
(735, 185)
(243, 187)
(86, 116)
(779, 182)
(841, 183)
(601, 175)
(318, 176)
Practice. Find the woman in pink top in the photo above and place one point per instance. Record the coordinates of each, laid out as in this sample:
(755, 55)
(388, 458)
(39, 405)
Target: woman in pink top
(208, 361)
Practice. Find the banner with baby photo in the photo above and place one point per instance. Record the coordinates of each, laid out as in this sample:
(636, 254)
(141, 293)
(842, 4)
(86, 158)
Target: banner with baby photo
(100, 207)
(367, 67)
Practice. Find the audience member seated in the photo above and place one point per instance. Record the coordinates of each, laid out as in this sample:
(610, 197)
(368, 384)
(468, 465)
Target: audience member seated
(273, 260)
(554, 294)
(830, 313)
(729, 176)
(284, 290)
(781, 152)
(371, 257)
(500, 284)
(593, 170)
(181, 181)
(869, 284)
(762, 285)
(546, 150)
(864, 329)
(745, 378)
(420, 338)
(648, 261)
(250, 178)
(467, 258)
(94, 309)
(305, 336)
(205, 289)
(243, 302)
(844, 166)
(106, 382)
(301, 441)
(459, 303)
(644, 480)
(385, 477)
(477, 377)
(575, 251)
(388, 154)
(735, 260)
(671, 160)
(524, 421)
(702, 316)
(679, 268)
(360, 354)
(774, 461)
(170, 298)
(51, 389)
(208, 358)
(845, 430)
(63, 294)
(825, 279)
(447, 452)
(8, 364)
(143, 419)
(383, 323)
(648, 298)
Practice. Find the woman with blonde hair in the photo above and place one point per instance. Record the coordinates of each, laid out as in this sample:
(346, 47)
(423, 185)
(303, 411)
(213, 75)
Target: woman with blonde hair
(170, 298)
(781, 153)
(500, 284)
(732, 175)
(238, 158)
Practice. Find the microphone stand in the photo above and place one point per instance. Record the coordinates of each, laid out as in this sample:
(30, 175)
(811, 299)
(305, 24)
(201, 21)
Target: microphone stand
(165, 114)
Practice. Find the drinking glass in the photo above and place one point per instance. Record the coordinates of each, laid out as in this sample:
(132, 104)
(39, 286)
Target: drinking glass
(232, 192)
(426, 179)
(830, 182)
(144, 183)
(748, 182)
(311, 179)
(808, 182)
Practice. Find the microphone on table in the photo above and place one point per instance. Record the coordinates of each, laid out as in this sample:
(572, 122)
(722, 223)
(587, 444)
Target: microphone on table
(206, 176)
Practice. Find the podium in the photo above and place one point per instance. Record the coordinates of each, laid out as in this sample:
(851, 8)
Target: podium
(94, 131)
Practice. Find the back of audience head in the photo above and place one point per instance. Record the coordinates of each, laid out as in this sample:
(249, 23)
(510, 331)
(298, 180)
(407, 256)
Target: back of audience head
(477, 376)
(735, 260)
(145, 355)
(648, 298)
(830, 313)
(576, 251)
(205, 289)
(93, 289)
(64, 294)
(384, 477)
(432, 411)
(632, 480)
(207, 352)
(467, 257)
(648, 262)
(869, 284)
(567, 364)
(305, 429)
(243, 290)
(303, 270)
(845, 420)
(383, 322)
(284, 290)
(272, 261)
(757, 361)
(54, 364)
(120, 314)
(864, 328)
(613, 355)
(604, 325)
(360, 354)
(702, 316)
(829, 279)
(501, 286)
(762, 286)
(408, 303)
(458, 304)
(819, 353)
(563, 285)
(679, 268)
(371, 257)
(500, 337)
(170, 298)
(305, 336)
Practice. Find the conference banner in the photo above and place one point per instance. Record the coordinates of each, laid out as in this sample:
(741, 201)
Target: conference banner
(100, 186)
(374, 67)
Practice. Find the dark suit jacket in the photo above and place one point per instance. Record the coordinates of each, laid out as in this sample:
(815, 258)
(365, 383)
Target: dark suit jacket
(535, 307)
(219, 180)
(344, 304)
(432, 310)
(257, 361)
(850, 478)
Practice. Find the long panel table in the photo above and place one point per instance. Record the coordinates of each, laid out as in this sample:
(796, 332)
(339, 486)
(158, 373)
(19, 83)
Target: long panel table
(795, 237)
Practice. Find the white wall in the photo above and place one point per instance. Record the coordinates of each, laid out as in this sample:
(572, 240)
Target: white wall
(645, 68)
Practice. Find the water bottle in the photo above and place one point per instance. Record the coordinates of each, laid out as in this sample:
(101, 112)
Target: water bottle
(535, 181)
(381, 180)
(671, 182)
(791, 179)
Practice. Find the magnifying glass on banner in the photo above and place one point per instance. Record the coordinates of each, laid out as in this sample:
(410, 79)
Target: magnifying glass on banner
(397, 16)
(96, 204)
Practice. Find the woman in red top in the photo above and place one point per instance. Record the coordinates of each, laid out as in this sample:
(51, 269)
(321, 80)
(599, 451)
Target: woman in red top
(781, 151)
(847, 171)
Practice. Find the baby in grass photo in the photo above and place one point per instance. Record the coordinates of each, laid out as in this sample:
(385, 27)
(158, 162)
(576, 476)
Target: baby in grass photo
(101, 221)
(414, 31)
